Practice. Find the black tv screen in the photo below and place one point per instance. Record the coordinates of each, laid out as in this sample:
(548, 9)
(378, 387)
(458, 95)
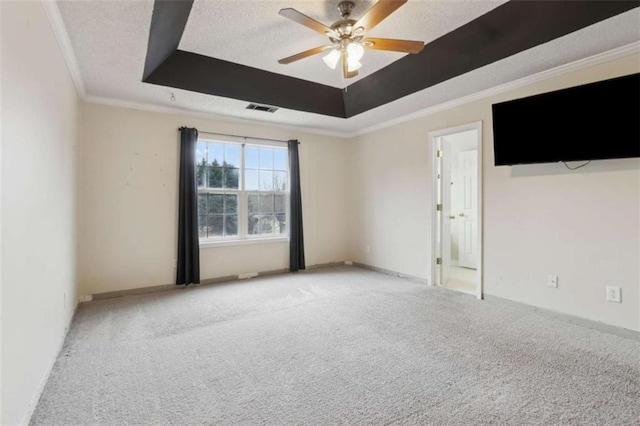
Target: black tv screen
(591, 122)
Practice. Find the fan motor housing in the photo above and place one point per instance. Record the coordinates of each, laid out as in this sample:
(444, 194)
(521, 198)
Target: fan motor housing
(345, 8)
(344, 27)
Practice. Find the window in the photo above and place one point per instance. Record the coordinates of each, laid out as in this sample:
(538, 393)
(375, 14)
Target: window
(243, 191)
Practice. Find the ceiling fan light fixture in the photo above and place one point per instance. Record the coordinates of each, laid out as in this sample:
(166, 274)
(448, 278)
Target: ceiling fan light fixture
(332, 59)
(355, 51)
(347, 36)
(353, 65)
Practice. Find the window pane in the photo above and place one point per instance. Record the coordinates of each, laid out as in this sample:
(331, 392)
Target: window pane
(201, 152)
(266, 203)
(251, 180)
(215, 154)
(266, 158)
(282, 223)
(215, 203)
(280, 203)
(215, 177)
(230, 225)
(202, 227)
(214, 228)
(202, 204)
(231, 178)
(254, 203)
(269, 225)
(231, 203)
(280, 157)
(251, 155)
(201, 163)
(266, 181)
(232, 155)
(254, 224)
(280, 181)
(201, 173)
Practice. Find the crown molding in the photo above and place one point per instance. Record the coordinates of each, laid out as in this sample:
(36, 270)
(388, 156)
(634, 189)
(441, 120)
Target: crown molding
(610, 55)
(60, 31)
(617, 53)
(207, 115)
(57, 24)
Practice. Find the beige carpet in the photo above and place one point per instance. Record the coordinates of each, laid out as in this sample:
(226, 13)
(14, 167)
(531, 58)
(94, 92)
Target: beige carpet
(335, 346)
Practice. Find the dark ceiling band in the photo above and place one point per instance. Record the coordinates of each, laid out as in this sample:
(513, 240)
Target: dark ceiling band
(506, 30)
(199, 73)
(168, 22)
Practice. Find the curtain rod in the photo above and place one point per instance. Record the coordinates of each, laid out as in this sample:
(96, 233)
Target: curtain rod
(241, 136)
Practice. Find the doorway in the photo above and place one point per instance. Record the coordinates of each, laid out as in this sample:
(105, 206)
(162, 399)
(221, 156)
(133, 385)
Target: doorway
(457, 177)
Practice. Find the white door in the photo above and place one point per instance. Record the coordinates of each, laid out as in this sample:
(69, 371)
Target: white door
(447, 215)
(466, 217)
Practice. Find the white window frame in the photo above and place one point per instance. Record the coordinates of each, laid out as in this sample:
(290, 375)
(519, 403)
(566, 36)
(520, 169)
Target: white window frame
(243, 236)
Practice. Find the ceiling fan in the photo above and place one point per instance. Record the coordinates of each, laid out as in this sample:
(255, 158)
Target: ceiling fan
(347, 36)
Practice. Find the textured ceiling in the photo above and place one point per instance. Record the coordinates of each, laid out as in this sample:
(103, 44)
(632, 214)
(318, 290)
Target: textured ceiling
(110, 38)
(252, 33)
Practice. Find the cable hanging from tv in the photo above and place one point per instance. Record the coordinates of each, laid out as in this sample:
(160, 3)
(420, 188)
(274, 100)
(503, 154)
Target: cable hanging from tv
(577, 167)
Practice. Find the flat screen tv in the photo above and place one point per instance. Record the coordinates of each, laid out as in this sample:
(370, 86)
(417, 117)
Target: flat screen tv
(591, 122)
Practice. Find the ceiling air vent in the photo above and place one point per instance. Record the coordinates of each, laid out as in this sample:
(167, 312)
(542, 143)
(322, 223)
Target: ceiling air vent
(264, 108)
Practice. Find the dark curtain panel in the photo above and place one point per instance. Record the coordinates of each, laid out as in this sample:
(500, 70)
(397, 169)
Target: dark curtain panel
(188, 246)
(296, 239)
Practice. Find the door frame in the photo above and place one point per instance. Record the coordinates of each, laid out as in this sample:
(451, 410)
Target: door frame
(433, 136)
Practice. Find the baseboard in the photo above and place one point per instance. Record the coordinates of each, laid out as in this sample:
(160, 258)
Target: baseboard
(131, 292)
(204, 282)
(568, 318)
(325, 265)
(273, 272)
(392, 273)
(45, 378)
(574, 320)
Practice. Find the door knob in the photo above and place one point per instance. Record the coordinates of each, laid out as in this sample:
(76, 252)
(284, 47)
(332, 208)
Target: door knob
(461, 215)
(452, 217)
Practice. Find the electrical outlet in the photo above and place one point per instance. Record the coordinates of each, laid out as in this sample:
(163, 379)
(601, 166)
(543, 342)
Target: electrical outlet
(552, 281)
(613, 294)
(367, 248)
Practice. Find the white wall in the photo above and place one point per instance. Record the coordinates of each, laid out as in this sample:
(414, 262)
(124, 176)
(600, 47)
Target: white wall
(39, 107)
(128, 204)
(538, 219)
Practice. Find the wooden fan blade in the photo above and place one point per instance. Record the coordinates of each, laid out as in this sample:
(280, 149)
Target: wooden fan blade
(304, 54)
(345, 67)
(303, 19)
(407, 46)
(378, 12)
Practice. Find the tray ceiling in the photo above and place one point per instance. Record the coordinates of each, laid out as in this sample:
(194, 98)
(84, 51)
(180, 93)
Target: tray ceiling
(253, 34)
(110, 41)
